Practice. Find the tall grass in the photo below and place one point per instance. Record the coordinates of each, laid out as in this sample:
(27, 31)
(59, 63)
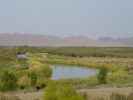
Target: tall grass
(61, 92)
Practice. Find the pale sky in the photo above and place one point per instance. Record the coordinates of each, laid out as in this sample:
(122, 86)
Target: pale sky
(67, 17)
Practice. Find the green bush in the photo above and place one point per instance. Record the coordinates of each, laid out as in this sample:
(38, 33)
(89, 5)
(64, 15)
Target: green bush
(61, 92)
(102, 75)
(44, 71)
(24, 82)
(33, 78)
(41, 82)
(39, 76)
(8, 81)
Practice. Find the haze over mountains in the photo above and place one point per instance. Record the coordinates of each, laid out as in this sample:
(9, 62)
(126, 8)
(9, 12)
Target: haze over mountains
(7, 39)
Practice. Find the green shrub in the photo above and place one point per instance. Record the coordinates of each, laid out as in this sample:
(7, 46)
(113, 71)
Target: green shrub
(42, 82)
(45, 71)
(8, 81)
(61, 92)
(33, 78)
(24, 82)
(39, 76)
(40, 69)
(102, 75)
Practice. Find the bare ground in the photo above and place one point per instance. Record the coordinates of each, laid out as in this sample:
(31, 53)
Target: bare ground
(92, 94)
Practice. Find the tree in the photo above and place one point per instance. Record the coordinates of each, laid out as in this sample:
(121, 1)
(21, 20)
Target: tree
(102, 75)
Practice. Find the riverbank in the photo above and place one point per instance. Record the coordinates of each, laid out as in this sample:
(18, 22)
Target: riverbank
(119, 72)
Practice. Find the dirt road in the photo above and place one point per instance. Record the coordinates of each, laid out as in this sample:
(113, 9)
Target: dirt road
(91, 93)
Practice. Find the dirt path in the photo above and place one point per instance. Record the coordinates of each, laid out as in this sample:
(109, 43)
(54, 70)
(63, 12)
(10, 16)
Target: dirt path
(28, 95)
(31, 96)
(124, 90)
(91, 93)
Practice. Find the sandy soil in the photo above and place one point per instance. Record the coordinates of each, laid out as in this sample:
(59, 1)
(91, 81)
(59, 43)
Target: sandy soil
(90, 93)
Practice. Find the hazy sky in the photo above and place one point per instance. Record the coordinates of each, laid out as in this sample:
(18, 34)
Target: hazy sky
(68, 17)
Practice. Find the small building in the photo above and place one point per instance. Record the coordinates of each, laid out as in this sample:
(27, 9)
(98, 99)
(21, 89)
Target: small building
(21, 55)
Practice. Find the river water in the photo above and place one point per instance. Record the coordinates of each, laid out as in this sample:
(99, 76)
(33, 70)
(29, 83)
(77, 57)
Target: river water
(71, 72)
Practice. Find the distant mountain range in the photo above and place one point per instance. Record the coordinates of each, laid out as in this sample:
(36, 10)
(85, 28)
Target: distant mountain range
(7, 39)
